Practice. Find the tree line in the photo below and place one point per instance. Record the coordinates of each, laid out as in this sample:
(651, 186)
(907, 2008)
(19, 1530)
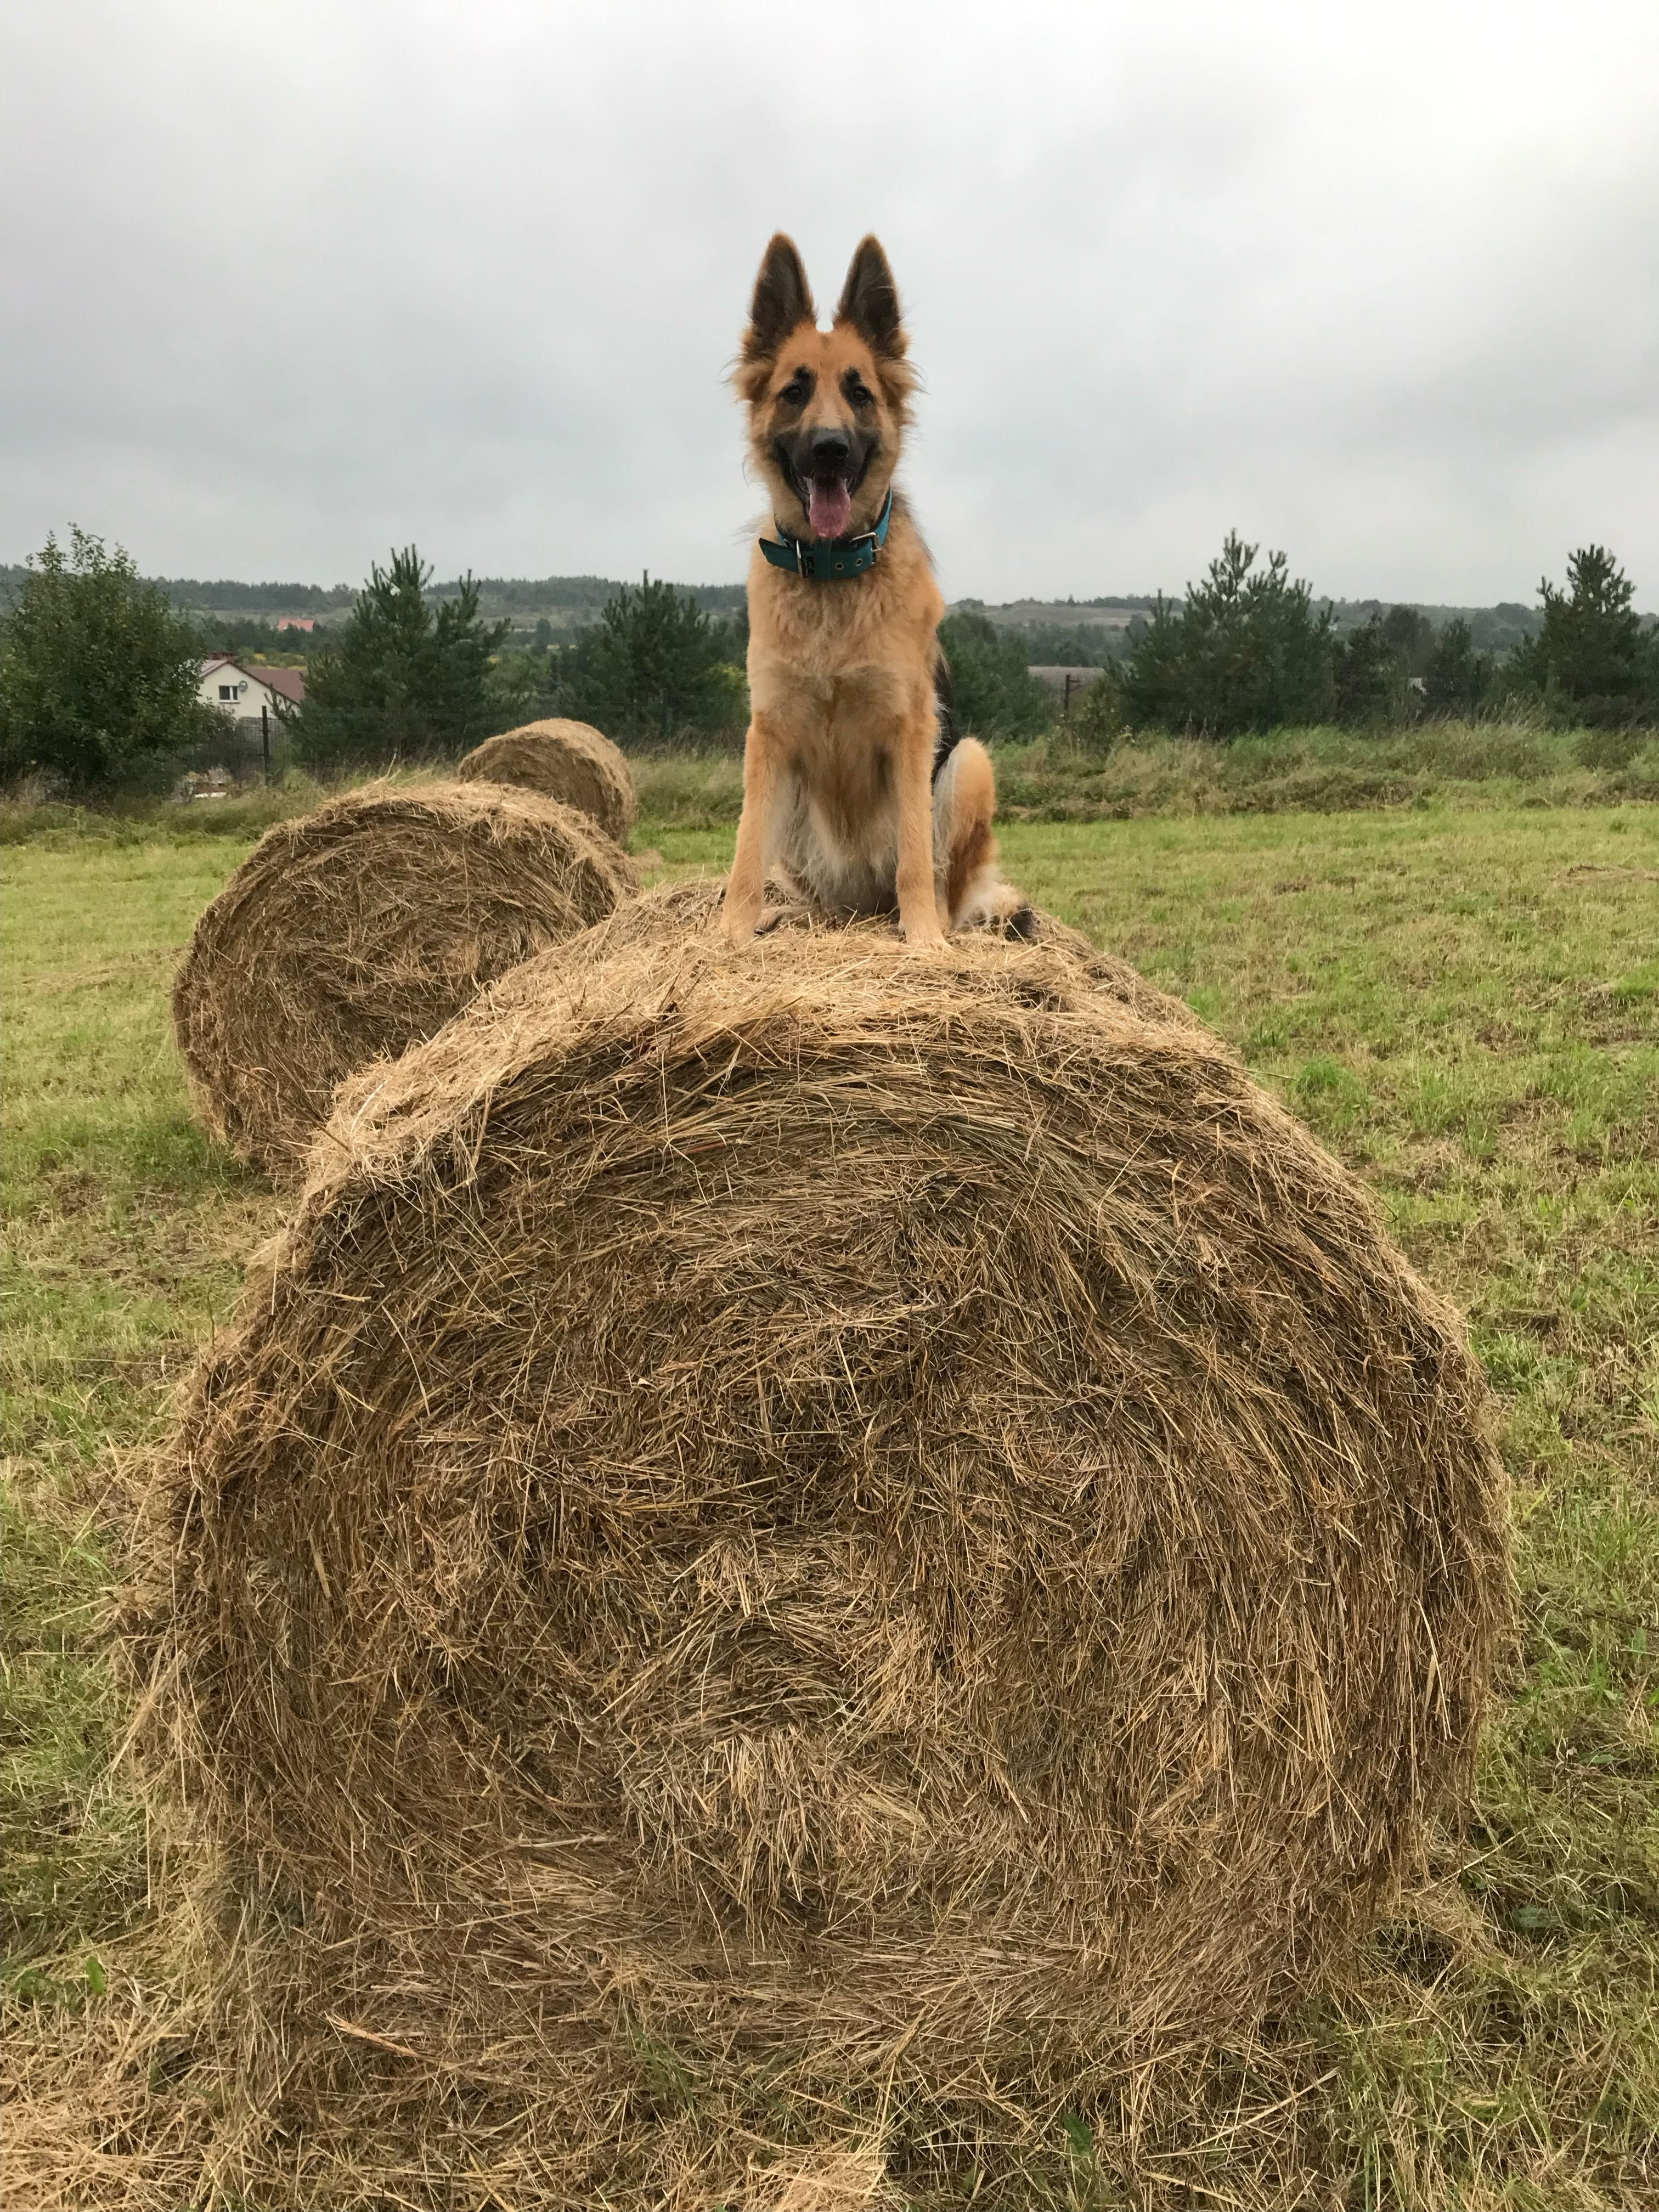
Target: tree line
(1247, 650)
(100, 669)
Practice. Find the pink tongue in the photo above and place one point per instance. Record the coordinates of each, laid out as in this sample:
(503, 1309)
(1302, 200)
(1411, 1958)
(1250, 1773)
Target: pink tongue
(830, 509)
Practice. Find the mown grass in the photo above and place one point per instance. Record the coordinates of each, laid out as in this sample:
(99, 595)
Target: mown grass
(1465, 1004)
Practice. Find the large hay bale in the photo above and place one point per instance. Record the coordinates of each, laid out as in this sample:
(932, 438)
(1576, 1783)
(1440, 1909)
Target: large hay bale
(896, 1521)
(362, 929)
(567, 761)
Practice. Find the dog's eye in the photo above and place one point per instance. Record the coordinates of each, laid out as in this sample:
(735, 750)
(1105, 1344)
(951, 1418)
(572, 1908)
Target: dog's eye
(799, 389)
(857, 389)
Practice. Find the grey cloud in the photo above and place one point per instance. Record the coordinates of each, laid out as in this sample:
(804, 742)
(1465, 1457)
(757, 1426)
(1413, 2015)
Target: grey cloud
(289, 284)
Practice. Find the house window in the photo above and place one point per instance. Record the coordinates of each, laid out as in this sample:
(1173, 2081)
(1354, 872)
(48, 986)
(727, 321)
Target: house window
(226, 691)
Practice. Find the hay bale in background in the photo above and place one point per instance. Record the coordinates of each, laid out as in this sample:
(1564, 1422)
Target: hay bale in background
(360, 929)
(567, 761)
(894, 1520)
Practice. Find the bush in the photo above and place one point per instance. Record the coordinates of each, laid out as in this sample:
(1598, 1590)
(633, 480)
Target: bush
(99, 671)
(1245, 651)
(993, 693)
(518, 688)
(1096, 720)
(1613, 749)
(1475, 752)
(406, 679)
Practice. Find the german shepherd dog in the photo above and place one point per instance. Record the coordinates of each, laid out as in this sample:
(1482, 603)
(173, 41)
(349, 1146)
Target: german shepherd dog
(857, 794)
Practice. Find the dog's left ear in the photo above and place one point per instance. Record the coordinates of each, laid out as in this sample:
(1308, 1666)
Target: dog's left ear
(869, 301)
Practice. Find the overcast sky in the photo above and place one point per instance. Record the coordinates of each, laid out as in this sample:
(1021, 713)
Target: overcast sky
(286, 284)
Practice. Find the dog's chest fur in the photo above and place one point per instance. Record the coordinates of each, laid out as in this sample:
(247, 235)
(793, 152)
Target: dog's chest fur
(842, 676)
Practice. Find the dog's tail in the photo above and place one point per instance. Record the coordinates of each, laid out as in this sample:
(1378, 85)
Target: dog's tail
(945, 698)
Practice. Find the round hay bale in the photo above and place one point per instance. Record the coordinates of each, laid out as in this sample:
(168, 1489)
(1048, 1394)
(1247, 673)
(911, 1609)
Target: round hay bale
(362, 929)
(569, 760)
(895, 1520)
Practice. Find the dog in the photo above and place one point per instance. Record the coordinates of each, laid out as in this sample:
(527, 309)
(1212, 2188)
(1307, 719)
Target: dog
(859, 796)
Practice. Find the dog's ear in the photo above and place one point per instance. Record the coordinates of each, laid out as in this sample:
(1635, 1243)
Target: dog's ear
(869, 301)
(783, 300)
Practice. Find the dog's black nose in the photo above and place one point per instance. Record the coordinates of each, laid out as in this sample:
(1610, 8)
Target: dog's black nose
(828, 453)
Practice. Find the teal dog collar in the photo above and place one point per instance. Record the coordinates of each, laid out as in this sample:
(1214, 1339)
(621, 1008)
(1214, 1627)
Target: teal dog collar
(820, 559)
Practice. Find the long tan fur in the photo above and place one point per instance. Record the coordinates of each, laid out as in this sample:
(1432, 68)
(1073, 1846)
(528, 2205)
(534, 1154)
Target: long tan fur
(840, 799)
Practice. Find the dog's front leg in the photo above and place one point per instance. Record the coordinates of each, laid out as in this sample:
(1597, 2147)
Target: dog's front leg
(746, 886)
(918, 897)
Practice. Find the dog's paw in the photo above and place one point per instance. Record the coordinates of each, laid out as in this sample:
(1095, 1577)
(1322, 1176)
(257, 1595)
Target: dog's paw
(733, 921)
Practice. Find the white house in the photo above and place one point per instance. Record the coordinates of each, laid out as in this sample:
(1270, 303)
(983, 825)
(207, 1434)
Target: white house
(239, 690)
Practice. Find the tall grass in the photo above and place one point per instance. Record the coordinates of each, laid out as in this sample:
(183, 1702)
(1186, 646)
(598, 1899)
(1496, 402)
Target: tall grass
(1321, 771)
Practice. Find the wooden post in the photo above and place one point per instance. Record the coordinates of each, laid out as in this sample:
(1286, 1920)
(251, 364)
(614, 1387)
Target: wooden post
(265, 738)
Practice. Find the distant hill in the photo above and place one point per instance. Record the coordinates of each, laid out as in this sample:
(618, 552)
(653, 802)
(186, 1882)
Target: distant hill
(1494, 629)
(567, 601)
(1077, 633)
(1065, 633)
(1084, 632)
(563, 602)
(1093, 631)
(1083, 614)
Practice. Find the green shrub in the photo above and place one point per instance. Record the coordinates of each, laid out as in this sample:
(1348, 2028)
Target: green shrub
(99, 671)
(1097, 722)
(1610, 749)
(1475, 752)
(993, 693)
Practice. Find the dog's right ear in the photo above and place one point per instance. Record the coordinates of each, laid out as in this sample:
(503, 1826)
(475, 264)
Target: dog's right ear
(783, 300)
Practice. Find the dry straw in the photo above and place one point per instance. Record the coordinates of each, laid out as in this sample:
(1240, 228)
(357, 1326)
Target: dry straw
(890, 1531)
(360, 929)
(567, 761)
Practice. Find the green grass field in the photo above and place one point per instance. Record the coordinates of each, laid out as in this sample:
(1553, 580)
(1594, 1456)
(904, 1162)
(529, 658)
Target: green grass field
(1464, 1003)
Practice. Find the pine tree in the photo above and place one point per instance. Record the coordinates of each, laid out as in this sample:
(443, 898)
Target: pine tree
(993, 693)
(1245, 651)
(1593, 659)
(653, 666)
(1410, 636)
(406, 681)
(1457, 675)
(1371, 679)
